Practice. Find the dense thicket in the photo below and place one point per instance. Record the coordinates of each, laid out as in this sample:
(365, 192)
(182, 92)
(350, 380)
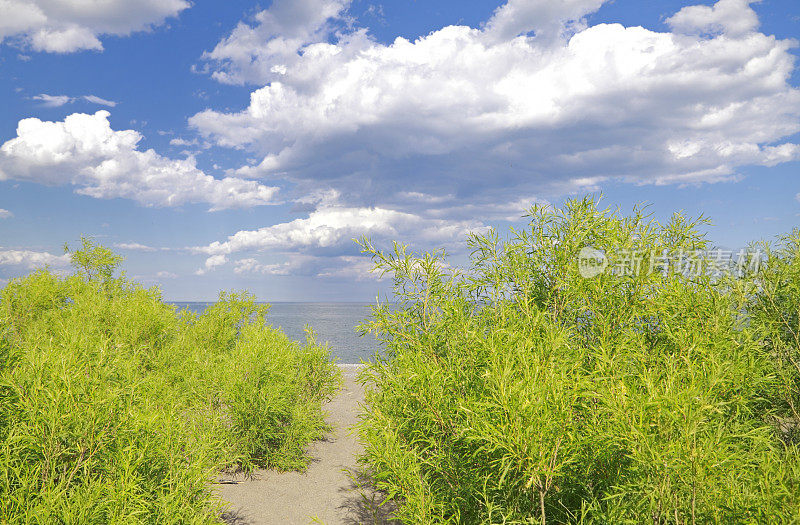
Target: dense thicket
(520, 391)
(117, 408)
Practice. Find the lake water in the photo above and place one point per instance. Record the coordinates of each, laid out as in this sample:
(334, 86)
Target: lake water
(333, 323)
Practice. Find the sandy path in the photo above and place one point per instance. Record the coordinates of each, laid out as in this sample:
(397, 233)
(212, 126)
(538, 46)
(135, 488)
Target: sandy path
(326, 492)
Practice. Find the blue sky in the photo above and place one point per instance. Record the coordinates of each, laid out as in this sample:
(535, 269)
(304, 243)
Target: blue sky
(222, 145)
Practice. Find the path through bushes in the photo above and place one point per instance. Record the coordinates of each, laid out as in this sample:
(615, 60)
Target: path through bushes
(327, 492)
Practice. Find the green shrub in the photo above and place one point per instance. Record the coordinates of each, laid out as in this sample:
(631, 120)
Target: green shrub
(773, 303)
(521, 392)
(115, 407)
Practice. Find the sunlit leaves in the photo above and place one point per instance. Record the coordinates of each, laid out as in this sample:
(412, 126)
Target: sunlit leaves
(116, 408)
(519, 391)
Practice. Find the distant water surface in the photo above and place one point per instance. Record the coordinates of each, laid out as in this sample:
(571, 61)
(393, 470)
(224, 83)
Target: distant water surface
(333, 323)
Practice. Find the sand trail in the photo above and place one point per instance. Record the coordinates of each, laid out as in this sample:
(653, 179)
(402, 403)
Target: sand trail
(328, 492)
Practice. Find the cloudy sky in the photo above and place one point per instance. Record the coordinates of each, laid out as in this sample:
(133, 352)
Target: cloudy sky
(222, 145)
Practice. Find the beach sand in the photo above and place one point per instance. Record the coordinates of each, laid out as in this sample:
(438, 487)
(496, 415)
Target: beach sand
(329, 492)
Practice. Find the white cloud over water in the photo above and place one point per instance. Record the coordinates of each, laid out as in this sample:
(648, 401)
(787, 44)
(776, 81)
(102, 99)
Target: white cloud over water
(333, 229)
(536, 102)
(322, 244)
(251, 265)
(65, 26)
(348, 267)
(84, 151)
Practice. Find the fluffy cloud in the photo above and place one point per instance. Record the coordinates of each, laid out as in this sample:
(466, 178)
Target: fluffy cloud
(533, 103)
(84, 151)
(32, 259)
(334, 228)
(352, 268)
(731, 17)
(347, 267)
(545, 19)
(5, 214)
(253, 52)
(250, 265)
(211, 263)
(64, 26)
(322, 243)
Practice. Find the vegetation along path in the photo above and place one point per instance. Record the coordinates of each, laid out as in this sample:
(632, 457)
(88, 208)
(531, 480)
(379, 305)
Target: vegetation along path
(327, 492)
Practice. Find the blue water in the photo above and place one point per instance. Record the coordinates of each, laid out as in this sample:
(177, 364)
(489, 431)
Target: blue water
(334, 323)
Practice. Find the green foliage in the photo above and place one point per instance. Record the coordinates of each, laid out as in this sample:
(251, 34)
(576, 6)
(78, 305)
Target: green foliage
(521, 392)
(115, 407)
(95, 262)
(773, 303)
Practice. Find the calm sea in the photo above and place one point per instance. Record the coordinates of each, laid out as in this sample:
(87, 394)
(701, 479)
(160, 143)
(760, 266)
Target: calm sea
(334, 323)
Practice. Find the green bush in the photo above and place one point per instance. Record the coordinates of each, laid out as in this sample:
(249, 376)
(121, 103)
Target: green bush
(115, 407)
(773, 304)
(519, 391)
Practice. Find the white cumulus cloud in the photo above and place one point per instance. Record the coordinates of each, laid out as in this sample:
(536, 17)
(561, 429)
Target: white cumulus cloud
(323, 244)
(211, 263)
(253, 52)
(103, 163)
(292, 265)
(731, 17)
(352, 268)
(546, 19)
(535, 102)
(5, 214)
(349, 267)
(65, 26)
(335, 227)
(32, 259)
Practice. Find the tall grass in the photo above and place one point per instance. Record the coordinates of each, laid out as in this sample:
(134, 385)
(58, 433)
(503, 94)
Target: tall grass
(115, 407)
(521, 392)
